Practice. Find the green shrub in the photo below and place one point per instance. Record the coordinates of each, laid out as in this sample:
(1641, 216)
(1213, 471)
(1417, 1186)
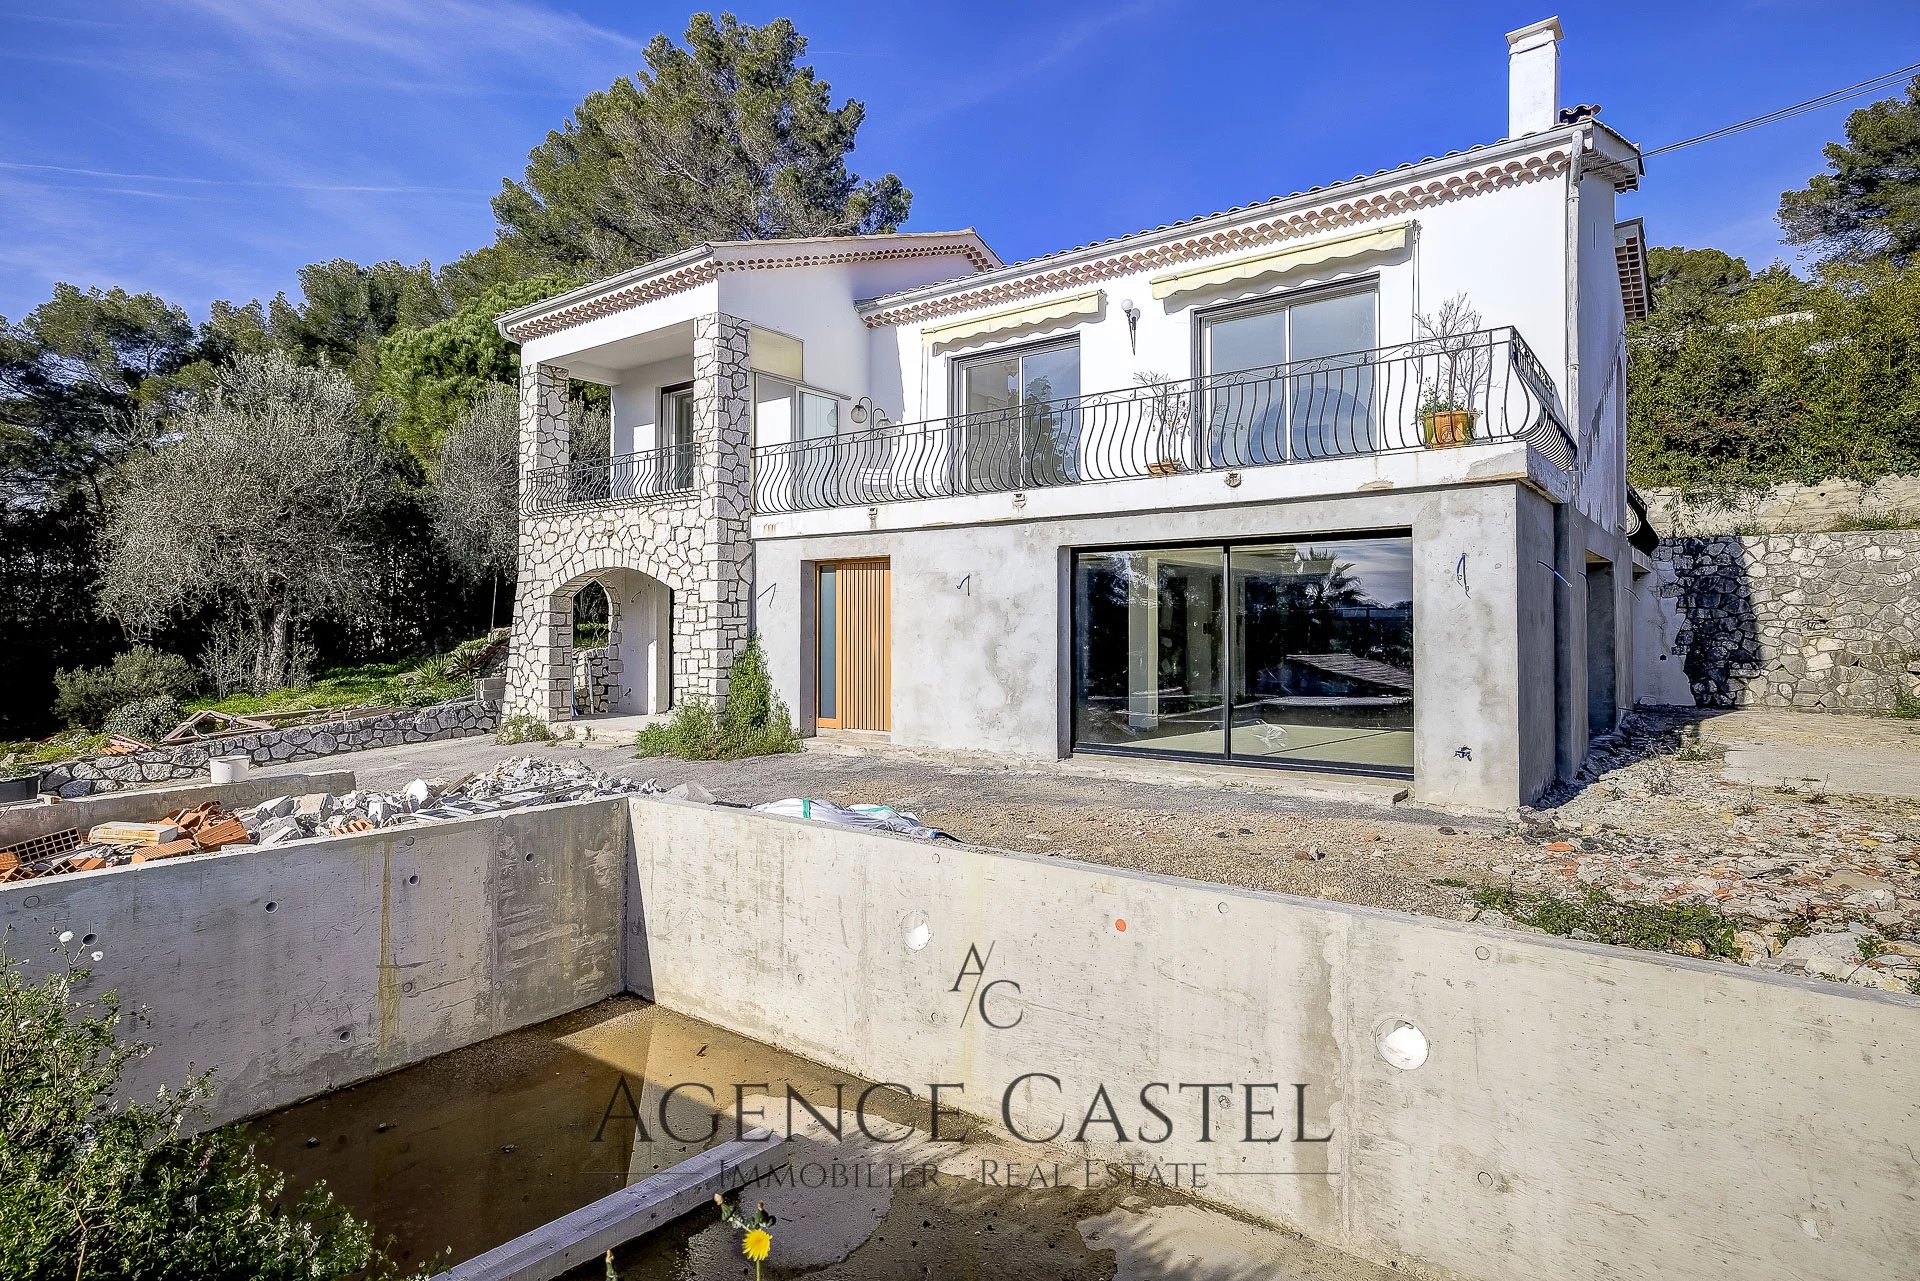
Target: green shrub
(521, 728)
(147, 719)
(96, 1185)
(83, 696)
(753, 721)
(1906, 705)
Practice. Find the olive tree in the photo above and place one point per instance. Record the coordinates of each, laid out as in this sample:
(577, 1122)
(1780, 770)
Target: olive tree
(261, 498)
(476, 489)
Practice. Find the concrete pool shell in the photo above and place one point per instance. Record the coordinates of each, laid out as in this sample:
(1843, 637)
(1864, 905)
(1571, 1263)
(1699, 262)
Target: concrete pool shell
(1575, 1110)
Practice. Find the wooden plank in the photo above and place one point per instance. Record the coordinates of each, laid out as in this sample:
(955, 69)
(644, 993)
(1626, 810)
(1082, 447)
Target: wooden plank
(589, 1232)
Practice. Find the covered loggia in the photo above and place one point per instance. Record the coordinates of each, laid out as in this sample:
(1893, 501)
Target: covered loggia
(610, 645)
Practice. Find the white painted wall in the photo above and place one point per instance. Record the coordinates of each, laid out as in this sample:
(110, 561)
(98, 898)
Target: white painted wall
(1505, 250)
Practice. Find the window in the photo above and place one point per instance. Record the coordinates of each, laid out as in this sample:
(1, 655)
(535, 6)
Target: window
(1019, 417)
(816, 465)
(1321, 406)
(1282, 653)
(676, 435)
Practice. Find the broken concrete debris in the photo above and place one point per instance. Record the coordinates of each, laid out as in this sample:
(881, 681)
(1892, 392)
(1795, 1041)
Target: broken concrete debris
(513, 784)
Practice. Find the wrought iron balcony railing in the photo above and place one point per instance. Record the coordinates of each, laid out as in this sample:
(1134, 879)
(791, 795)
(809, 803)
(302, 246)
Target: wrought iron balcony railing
(624, 478)
(1433, 393)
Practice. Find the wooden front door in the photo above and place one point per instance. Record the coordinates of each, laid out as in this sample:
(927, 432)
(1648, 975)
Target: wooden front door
(854, 681)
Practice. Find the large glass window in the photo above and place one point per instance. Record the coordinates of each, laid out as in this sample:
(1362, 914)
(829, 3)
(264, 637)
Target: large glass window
(1150, 652)
(1320, 406)
(1313, 640)
(1019, 423)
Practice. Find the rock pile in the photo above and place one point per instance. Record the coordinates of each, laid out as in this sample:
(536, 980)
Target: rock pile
(515, 783)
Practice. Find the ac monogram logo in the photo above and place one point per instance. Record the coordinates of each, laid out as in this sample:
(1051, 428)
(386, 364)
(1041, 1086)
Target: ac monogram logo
(975, 968)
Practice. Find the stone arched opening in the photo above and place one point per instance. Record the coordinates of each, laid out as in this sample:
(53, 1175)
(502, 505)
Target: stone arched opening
(608, 659)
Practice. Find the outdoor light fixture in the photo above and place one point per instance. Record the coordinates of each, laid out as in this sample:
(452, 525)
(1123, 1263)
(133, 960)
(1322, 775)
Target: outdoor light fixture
(1132, 313)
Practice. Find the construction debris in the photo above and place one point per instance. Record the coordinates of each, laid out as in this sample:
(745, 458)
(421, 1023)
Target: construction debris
(212, 724)
(513, 784)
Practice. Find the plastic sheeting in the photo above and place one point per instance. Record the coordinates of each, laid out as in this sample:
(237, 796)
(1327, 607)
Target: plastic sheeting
(880, 818)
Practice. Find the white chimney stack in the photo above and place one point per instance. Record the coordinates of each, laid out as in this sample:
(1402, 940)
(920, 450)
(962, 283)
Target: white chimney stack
(1533, 78)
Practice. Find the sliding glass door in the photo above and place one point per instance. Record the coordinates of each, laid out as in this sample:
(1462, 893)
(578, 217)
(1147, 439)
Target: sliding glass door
(1290, 380)
(1282, 653)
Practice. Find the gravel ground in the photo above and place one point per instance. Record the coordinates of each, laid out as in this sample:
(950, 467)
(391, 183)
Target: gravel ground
(1813, 881)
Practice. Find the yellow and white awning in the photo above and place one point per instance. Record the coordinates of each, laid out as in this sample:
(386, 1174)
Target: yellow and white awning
(1009, 319)
(1254, 267)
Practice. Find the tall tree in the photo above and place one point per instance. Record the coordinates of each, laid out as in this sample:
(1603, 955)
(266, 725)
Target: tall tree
(264, 498)
(727, 138)
(431, 375)
(1868, 203)
(476, 491)
(345, 309)
(1674, 272)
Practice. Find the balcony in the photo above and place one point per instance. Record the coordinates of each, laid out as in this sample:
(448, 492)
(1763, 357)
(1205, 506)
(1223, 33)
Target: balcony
(652, 475)
(1433, 393)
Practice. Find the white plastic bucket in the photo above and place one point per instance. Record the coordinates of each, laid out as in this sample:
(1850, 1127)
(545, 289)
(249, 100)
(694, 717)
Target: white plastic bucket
(228, 769)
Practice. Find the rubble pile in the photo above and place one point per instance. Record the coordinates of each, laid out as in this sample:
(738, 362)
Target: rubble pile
(513, 784)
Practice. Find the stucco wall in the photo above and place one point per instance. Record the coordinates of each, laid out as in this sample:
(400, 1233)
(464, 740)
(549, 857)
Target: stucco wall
(1827, 622)
(1585, 1111)
(978, 616)
(298, 968)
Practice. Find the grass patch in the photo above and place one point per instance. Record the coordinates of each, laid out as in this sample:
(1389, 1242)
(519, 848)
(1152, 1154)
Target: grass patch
(27, 755)
(1906, 705)
(753, 721)
(387, 684)
(1596, 912)
(1450, 882)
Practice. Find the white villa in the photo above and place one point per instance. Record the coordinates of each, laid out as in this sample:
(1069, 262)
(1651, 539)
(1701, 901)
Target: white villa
(1335, 481)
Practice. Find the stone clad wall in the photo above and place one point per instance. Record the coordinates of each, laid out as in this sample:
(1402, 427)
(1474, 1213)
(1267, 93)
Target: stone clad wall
(269, 747)
(1822, 622)
(696, 545)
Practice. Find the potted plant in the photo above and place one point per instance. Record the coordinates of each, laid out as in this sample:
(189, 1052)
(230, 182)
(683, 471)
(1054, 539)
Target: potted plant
(1168, 406)
(1455, 359)
(1444, 421)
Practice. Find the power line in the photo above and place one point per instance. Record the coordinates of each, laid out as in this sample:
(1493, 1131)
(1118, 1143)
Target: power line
(1798, 108)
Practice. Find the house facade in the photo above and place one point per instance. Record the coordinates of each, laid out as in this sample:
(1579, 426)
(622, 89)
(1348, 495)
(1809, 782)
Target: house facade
(1335, 481)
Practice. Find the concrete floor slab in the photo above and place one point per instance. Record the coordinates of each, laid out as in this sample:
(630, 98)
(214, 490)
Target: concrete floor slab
(1837, 754)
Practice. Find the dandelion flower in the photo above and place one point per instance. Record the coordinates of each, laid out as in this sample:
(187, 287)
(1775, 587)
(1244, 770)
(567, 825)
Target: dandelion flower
(757, 1244)
(66, 936)
(99, 955)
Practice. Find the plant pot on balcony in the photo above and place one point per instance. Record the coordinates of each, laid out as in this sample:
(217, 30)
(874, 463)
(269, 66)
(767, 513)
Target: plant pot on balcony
(1445, 428)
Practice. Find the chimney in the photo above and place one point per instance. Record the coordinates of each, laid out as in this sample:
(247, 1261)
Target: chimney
(1533, 78)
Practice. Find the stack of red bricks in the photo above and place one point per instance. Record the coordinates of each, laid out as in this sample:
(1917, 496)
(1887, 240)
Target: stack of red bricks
(196, 830)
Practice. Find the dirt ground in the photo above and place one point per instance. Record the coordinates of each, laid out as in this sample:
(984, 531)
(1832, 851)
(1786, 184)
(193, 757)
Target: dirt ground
(1787, 873)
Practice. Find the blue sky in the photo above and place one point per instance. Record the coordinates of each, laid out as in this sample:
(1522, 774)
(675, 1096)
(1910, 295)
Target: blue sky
(208, 148)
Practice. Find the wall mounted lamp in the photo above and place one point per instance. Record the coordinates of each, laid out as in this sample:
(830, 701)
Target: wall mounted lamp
(1132, 313)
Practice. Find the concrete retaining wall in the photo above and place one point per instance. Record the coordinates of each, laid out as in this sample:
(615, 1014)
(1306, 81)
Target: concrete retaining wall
(300, 968)
(1585, 1111)
(1822, 622)
(457, 719)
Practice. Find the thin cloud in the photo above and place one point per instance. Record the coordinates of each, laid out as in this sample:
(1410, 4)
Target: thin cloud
(981, 85)
(369, 188)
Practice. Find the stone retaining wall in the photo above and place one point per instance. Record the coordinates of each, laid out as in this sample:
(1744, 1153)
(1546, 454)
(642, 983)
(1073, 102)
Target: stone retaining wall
(1822, 622)
(457, 719)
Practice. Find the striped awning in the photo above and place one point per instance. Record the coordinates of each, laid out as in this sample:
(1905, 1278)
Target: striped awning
(1052, 311)
(1277, 262)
